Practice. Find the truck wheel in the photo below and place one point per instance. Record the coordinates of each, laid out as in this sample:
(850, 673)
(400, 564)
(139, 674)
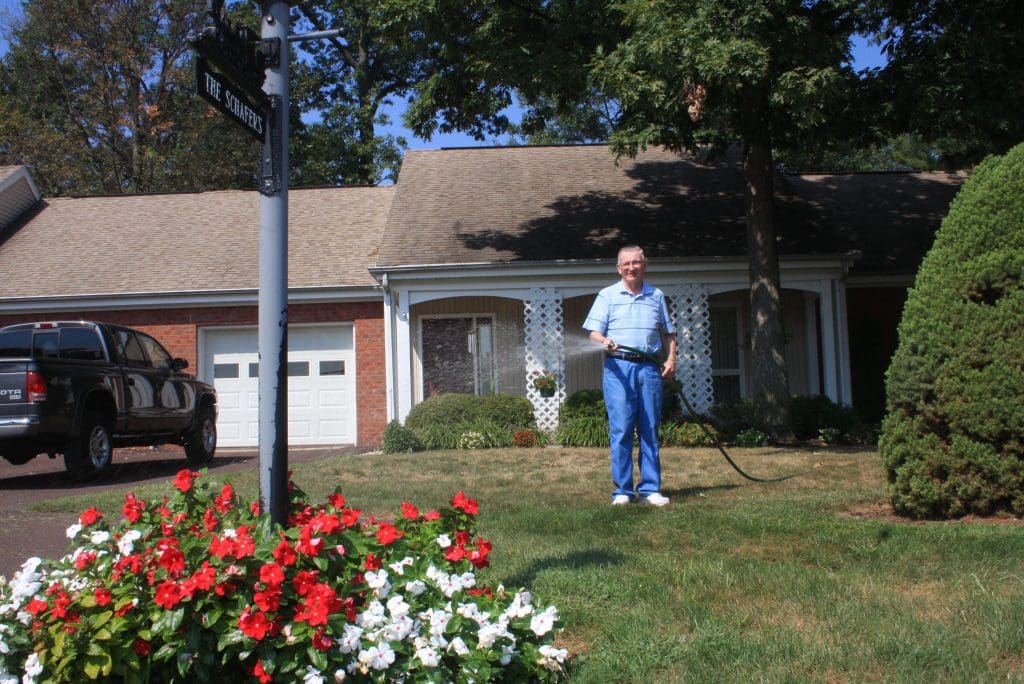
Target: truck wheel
(90, 454)
(201, 441)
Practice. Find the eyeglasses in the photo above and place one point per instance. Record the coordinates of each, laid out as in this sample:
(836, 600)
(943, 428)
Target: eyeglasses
(631, 264)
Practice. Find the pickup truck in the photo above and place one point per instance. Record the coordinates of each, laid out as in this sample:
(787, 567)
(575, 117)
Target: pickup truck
(81, 389)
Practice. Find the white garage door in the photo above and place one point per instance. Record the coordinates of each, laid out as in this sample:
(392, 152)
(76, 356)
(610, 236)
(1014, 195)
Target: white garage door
(321, 384)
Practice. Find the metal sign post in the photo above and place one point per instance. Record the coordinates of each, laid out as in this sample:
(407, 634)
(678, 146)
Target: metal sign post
(273, 293)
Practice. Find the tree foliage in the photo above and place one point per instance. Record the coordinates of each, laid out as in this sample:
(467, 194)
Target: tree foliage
(955, 74)
(953, 438)
(98, 99)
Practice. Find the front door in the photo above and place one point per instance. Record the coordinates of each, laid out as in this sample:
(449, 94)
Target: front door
(458, 355)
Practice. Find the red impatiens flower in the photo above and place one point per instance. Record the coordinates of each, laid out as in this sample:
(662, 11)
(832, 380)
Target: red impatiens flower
(202, 579)
(387, 534)
(133, 507)
(478, 556)
(268, 600)
(350, 516)
(336, 500)
(304, 580)
(321, 601)
(409, 512)
(321, 641)
(60, 605)
(142, 647)
(168, 594)
(210, 520)
(285, 554)
(259, 673)
(308, 544)
(89, 516)
(325, 523)
(254, 625)
(183, 480)
(272, 574)
(465, 504)
(102, 596)
(432, 515)
(36, 606)
(371, 562)
(84, 559)
(224, 500)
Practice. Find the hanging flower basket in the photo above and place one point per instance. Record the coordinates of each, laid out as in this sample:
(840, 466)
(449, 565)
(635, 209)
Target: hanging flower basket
(546, 383)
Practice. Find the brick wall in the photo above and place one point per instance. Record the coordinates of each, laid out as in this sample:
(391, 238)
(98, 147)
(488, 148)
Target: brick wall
(177, 330)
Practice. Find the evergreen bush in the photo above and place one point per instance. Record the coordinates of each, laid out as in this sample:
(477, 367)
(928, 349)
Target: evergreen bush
(733, 417)
(398, 439)
(814, 417)
(439, 420)
(953, 438)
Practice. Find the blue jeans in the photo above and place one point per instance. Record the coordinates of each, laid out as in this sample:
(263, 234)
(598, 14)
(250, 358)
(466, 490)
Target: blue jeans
(632, 393)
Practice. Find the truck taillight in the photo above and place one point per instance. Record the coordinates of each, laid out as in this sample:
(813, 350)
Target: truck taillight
(35, 387)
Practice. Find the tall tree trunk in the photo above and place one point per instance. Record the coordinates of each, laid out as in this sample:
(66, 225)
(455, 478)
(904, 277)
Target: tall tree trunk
(771, 385)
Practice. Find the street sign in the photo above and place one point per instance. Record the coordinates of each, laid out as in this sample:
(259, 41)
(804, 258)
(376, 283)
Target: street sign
(252, 113)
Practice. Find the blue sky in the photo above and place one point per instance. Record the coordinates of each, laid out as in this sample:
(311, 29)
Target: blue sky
(864, 56)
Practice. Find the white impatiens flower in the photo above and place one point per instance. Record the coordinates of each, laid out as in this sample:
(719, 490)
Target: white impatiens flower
(373, 616)
(99, 537)
(542, 623)
(520, 606)
(33, 668)
(350, 640)
(399, 567)
(490, 633)
(377, 657)
(378, 581)
(459, 646)
(444, 541)
(313, 676)
(416, 587)
(126, 544)
(552, 657)
(399, 629)
(428, 656)
(73, 531)
(398, 607)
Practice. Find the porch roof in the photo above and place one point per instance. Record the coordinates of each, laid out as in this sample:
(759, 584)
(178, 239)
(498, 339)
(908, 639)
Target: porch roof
(533, 204)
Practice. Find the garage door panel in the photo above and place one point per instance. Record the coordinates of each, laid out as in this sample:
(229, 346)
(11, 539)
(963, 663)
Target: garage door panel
(321, 390)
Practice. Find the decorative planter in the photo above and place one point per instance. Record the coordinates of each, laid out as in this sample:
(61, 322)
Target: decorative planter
(547, 392)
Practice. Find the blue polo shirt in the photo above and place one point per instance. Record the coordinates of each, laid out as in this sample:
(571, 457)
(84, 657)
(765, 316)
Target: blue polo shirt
(636, 321)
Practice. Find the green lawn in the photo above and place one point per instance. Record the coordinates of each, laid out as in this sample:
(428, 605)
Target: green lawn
(734, 581)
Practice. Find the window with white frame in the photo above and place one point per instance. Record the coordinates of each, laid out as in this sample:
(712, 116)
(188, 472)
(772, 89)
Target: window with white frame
(457, 354)
(726, 359)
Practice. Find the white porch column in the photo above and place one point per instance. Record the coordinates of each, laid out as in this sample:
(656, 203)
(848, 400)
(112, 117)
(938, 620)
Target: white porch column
(843, 335)
(829, 343)
(811, 343)
(545, 351)
(403, 354)
(688, 308)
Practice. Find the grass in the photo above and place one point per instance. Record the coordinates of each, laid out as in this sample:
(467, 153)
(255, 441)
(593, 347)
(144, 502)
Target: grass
(733, 582)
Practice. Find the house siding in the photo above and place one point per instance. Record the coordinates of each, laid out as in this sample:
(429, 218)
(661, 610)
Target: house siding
(177, 330)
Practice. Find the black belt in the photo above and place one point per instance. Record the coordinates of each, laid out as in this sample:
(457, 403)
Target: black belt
(627, 356)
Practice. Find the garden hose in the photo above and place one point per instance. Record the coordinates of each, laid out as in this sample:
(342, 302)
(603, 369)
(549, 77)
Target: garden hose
(700, 421)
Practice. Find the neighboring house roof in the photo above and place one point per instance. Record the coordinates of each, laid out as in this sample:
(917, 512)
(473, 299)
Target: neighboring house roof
(17, 194)
(188, 242)
(487, 205)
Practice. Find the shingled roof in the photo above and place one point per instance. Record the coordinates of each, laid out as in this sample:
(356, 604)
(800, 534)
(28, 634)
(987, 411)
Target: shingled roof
(188, 242)
(506, 204)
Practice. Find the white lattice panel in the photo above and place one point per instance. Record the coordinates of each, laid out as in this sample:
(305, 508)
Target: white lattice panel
(542, 314)
(689, 312)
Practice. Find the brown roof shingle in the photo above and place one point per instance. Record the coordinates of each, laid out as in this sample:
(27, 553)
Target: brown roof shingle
(576, 202)
(189, 242)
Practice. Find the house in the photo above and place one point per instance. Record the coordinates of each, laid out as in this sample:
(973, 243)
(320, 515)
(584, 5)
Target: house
(476, 270)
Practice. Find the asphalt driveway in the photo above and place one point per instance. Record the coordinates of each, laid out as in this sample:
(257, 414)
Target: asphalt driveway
(25, 533)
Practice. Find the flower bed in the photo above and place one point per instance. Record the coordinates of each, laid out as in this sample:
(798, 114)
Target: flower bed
(201, 587)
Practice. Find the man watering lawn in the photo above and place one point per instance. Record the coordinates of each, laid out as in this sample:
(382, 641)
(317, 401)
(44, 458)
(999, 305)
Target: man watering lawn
(630, 320)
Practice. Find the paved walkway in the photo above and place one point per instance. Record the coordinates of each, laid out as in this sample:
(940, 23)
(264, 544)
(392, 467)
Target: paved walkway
(25, 533)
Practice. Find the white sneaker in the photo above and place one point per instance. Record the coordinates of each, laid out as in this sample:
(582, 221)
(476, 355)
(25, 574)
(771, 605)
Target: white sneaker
(621, 500)
(656, 499)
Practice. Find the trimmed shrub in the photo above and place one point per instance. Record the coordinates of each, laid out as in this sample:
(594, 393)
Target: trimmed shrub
(815, 417)
(733, 417)
(583, 404)
(440, 420)
(398, 439)
(751, 437)
(953, 438)
(442, 409)
(584, 431)
(506, 410)
(693, 434)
